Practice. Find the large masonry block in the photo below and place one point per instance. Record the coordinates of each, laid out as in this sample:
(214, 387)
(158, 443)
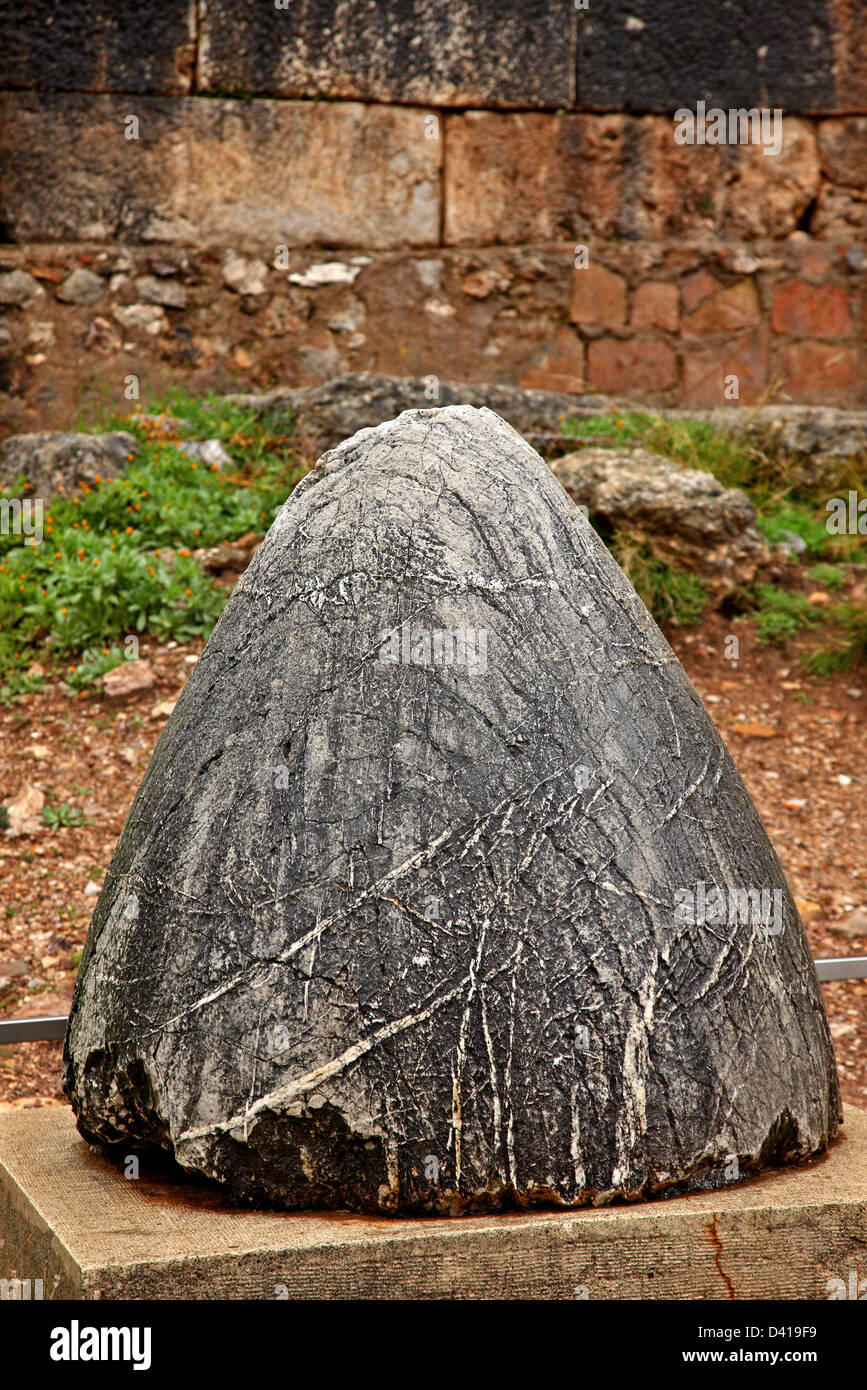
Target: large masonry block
(215, 172)
(80, 46)
(485, 53)
(658, 55)
(511, 178)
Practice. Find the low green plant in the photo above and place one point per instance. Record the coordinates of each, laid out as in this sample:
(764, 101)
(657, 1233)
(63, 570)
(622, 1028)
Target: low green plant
(118, 558)
(845, 648)
(17, 685)
(781, 613)
(62, 815)
(832, 576)
(692, 443)
(670, 595)
(799, 519)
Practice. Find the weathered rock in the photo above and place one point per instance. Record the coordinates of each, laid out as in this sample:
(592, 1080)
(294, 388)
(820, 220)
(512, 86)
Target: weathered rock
(327, 273)
(817, 436)
(740, 55)
(390, 932)
(142, 318)
(130, 678)
(58, 464)
(324, 415)
(22, 813)
(209, 451)
(614, 176)
(20, 288)
(245, 276)
(815, 439)
(81, 287)
(695, 521)
(159, 290)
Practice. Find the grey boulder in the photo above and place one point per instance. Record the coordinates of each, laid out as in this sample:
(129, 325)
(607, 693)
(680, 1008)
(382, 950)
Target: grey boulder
(58, 464)
(691, 518)
(441, 892)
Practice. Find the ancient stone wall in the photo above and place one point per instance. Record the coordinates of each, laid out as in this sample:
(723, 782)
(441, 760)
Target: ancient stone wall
(500, 179)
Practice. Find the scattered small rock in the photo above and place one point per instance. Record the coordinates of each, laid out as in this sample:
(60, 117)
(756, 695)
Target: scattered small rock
(480, 283)
(790, 541)
(23, 809)
(245, 276)
(430, 273)
(326, 273)
(841, 1029)
(41, 334)
(128, 679)
(855, 925)
(145, 318)
(350, 318)
(14, 969)
(439, 309)
(209, 451)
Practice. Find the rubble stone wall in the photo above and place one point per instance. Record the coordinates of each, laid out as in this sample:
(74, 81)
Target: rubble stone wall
(501, 179)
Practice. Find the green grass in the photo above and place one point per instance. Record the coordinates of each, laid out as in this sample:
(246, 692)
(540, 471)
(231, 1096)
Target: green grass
(102, 570)
(781, 613)
(117, 559)
(802, 521)
(766, 476)
(671, 595)
(832, 576)
(693, 443)
(846, 647)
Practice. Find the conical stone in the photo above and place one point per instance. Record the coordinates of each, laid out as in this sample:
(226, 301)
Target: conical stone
(441, 892)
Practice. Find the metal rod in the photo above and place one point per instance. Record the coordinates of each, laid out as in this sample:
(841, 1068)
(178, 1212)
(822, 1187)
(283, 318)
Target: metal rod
(16, 1030)
(844, 968)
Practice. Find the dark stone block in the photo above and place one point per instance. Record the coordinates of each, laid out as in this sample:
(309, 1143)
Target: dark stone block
(659, 55)
(485, 53)
(107, 46)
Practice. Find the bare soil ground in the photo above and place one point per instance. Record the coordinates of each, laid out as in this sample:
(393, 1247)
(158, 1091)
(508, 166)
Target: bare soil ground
(800, 743)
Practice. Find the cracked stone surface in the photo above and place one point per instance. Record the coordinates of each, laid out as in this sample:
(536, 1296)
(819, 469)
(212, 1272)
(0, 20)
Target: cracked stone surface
(389, 933)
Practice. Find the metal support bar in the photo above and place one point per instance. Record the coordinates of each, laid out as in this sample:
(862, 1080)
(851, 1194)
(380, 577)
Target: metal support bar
(15, 1030)
(844, 968)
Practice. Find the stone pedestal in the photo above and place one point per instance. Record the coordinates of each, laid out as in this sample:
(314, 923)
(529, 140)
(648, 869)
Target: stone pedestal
(70, 1218)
